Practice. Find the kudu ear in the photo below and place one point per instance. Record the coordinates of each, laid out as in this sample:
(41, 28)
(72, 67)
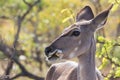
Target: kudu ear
(100, 19)
(85, 14)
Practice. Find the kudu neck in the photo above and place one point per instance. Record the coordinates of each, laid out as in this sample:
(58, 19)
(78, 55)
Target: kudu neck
(86, 68)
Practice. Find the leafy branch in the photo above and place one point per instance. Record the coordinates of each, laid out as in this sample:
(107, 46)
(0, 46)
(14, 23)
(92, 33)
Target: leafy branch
(11, 52)
(103, 42)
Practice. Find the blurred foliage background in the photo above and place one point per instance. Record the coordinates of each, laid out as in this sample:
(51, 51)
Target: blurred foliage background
(28, 26)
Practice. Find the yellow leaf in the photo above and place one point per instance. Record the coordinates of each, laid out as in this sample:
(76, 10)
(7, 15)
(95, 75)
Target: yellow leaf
(64, 10)
(115, 7)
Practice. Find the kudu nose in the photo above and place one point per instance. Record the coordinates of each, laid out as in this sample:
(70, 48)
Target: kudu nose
(49, 50)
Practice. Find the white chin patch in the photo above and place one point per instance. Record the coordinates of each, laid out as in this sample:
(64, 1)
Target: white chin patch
(79, 42)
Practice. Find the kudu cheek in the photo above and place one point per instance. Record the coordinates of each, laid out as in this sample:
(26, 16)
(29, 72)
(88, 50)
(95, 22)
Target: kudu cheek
(75, 50)
(82, 49)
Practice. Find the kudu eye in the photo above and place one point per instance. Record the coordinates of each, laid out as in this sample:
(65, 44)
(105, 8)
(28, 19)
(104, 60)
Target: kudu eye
(75, 33)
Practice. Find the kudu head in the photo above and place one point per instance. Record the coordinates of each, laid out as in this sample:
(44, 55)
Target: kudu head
(76, 39)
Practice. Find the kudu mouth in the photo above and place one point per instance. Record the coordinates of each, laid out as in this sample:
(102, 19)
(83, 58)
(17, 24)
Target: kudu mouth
(53, 54)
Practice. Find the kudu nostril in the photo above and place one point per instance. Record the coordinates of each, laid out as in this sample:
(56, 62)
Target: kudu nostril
(48, 50)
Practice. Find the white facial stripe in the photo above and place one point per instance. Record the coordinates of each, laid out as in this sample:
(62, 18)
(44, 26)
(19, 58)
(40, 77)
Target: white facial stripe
(83, 22)
(72, 54)
(79, 42)
(75, 49)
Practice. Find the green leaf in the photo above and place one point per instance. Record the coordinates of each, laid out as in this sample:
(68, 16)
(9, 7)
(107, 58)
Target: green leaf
(104, 63)
(115, 7)
(66, 19)
(101, 38)
(117, 73)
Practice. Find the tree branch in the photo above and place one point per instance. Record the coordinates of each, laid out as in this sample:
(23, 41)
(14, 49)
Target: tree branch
(7, 51)
(9, 67)
(11, 53)
(16, 76)
(4, 17)
(28, 4)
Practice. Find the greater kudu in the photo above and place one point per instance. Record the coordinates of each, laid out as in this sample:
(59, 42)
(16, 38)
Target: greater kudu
(77, 41)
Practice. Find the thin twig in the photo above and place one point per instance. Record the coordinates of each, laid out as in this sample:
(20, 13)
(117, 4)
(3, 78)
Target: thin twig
(6, 50)
(27, 3)
(4, 17)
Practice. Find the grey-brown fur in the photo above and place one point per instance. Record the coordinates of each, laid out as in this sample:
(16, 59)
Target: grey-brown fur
(77, 41)
(59, 71)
